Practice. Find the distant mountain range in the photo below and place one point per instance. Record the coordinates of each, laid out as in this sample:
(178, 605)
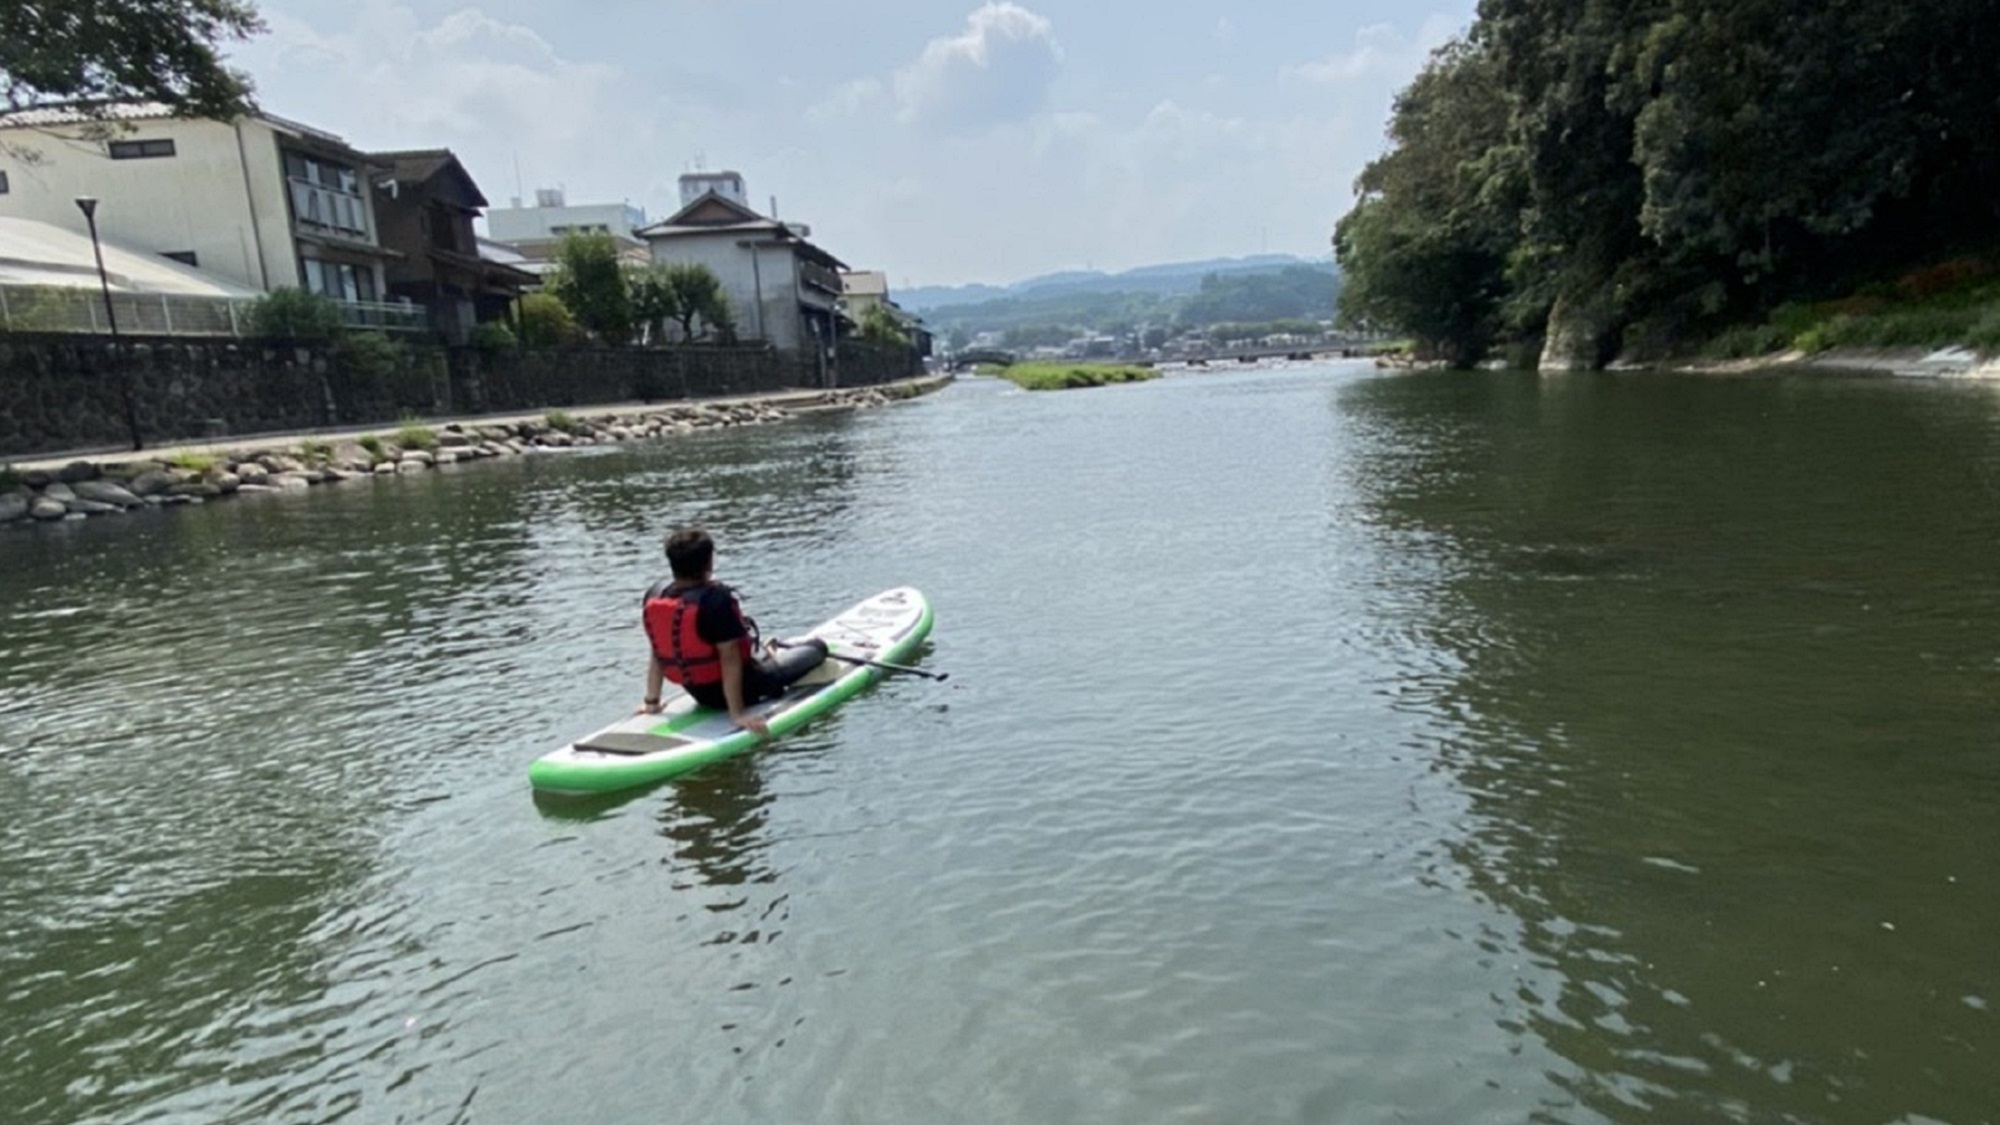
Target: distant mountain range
(1164, 280)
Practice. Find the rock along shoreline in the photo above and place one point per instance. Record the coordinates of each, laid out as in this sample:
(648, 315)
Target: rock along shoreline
(80, 489)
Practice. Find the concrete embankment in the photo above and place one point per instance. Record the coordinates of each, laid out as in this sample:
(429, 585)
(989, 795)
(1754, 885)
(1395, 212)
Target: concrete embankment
(80, 487)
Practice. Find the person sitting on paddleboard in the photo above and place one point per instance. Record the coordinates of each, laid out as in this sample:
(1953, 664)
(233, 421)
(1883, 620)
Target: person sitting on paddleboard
(700, 639)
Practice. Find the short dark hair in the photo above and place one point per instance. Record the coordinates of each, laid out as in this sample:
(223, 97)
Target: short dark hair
(691, 553)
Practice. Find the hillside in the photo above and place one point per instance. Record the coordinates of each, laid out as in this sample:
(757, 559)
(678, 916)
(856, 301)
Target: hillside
(1196, 295)
(1173, 277)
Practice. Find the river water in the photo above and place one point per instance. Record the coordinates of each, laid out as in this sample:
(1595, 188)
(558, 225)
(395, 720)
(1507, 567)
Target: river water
(1319, 747)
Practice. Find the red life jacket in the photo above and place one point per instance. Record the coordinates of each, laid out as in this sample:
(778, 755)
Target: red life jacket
(684, 656)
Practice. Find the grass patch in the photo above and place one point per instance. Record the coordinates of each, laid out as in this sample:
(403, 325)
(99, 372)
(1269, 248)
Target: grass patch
(1065, 376)
(1956, 303)
(373, 445)
(317, 452)
(194, 462)
(563, 420)
(413, 434)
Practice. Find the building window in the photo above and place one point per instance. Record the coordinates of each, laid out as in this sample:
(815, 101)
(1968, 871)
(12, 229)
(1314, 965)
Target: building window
(339, 280)
(141, 150)
(326, 195)
(184, 257)
(3, 183)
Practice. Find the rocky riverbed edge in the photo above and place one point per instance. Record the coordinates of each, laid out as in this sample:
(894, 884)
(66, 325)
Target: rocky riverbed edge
(84, 489)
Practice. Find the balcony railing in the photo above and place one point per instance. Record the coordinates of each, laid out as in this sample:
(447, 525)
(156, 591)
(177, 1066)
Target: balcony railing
(815, 276)
(40, 308)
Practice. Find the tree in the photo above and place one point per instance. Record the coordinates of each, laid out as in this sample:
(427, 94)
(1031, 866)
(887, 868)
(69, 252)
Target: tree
(590, 281)
(654, 300)
(880, 326)
(698, 295)
(1426, 248)
(546, 322)
(103, 51)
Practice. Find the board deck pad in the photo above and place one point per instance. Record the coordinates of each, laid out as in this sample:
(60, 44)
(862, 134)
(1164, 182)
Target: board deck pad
(683, 736)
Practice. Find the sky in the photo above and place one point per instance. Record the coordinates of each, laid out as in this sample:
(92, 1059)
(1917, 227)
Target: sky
(942, 141)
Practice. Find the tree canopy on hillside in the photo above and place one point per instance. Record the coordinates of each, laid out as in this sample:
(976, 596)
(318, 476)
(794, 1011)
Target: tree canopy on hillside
(99, 51)
(1628, 174)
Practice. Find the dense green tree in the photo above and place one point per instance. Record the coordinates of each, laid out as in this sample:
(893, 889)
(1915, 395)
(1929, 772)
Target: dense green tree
(1660, 167)
(698, 295)
(589, 280)
(1426, 248)
(654, 301)
(98, 51)
(545, 322)
(880, 326)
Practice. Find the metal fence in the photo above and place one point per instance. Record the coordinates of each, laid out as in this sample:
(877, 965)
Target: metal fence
(46, 308)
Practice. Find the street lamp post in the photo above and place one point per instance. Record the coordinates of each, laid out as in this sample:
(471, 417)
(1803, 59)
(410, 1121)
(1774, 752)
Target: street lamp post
(88, 205)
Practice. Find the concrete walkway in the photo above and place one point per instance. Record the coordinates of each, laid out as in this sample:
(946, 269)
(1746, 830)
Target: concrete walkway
(797, 400)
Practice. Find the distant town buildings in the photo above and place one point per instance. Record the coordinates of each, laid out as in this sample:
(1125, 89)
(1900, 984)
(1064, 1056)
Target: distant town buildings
(537, 232)
(199, 209)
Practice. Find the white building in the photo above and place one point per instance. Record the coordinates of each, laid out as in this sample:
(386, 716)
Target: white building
(535, 232)
(264, 202)
(728, 185)
(782, 288)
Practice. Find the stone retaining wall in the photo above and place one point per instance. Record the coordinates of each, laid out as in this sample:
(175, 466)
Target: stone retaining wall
(68, 392)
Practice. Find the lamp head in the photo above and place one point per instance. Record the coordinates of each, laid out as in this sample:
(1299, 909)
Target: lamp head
(88, 205)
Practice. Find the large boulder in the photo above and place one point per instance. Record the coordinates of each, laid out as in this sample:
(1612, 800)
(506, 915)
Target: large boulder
(60, 492)
(77, 471)
(44, 508)
(227, 482)
(13, 506)
(108, 492)
(193, 488)
(92, 507)
(152, 482)
(250, 472)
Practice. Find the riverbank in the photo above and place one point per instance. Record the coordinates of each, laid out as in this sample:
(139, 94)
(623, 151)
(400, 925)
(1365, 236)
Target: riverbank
(52, 490)
(1908, 363)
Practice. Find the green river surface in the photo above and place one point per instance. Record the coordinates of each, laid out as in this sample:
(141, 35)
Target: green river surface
(1320, 746)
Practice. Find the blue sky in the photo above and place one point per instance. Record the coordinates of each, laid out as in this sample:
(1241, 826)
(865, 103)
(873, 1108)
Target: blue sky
(944, 141)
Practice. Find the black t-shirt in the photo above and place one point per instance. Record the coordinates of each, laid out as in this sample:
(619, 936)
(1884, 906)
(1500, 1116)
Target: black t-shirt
(716, 616)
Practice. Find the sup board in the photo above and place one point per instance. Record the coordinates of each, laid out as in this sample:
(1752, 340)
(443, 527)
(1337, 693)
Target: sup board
(684, 735)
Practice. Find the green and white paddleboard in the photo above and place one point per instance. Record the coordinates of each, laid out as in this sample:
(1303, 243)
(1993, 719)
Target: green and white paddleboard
(683, 736)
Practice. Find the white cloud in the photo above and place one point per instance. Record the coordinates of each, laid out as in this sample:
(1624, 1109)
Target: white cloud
(996, 71)
(492, 91)
(1380, 54)
(1224, 29)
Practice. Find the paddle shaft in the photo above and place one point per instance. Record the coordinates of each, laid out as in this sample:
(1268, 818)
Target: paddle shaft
(882, 664)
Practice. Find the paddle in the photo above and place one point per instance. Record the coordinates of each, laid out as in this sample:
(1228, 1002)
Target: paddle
(940, 677)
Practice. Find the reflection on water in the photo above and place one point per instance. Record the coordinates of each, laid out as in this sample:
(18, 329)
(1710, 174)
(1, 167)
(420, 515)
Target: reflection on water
(1729, 721)
(1319, 747)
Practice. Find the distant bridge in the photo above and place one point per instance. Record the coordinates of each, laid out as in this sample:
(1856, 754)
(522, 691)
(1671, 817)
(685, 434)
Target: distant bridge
(974, 357)
(1251, 353)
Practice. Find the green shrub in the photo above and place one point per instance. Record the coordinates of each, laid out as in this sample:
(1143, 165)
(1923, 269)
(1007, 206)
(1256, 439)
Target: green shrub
(1749, 341)
(494, 336)
(372, 356)
(1985, 334)
(413, 434)
(564, 421)
(294, 314)
(373, 445)
(316, 452)
(546, 322)
(194, 462)
(9, 479)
